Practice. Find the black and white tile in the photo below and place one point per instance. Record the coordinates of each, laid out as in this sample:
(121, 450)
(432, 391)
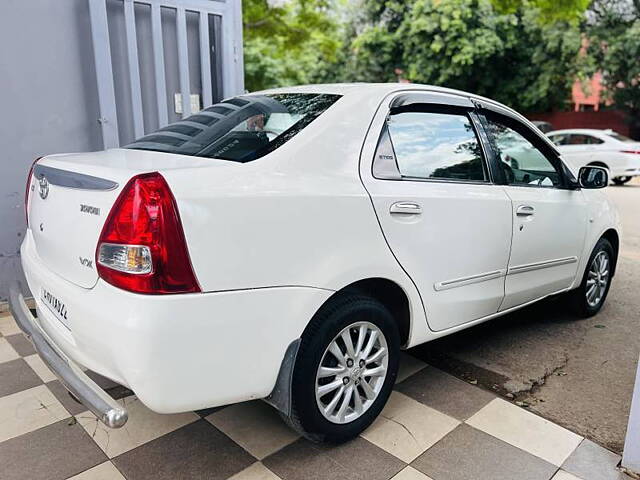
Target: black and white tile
(434, 427)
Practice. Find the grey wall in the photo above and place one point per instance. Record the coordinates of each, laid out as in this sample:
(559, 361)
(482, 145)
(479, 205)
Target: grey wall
(49, 102)
(120, 67)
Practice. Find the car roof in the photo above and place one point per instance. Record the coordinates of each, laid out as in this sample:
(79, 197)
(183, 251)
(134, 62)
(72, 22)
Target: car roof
(381, 89)
(582, 131)
(361, 87)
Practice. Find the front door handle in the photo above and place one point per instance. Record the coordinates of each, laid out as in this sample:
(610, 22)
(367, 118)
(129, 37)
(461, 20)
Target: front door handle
(405, 208)
(525, 211)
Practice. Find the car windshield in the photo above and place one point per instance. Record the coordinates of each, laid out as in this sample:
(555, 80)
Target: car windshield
(241, 129)
(620, 138)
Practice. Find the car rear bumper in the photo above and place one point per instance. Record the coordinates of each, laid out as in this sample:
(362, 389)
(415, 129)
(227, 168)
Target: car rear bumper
(180, 352)
(110, 412)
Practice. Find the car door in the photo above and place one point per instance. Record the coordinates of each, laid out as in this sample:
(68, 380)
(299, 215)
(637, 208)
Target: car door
(446, 223)
(549, 217)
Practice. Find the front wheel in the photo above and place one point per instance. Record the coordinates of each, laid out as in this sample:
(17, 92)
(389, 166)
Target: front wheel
(588, 298)
(621, 180)
(345, 369)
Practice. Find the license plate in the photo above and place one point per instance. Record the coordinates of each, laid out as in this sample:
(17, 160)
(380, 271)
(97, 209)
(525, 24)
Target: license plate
(55, 306)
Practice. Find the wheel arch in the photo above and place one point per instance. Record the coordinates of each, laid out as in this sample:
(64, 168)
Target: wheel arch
(614, 238)
(390, 294)
(387, 292)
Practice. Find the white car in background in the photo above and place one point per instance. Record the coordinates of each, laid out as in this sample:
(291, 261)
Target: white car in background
(287, 244)
(603, 148)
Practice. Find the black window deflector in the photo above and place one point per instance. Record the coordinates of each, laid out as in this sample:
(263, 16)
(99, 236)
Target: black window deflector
(430, 98)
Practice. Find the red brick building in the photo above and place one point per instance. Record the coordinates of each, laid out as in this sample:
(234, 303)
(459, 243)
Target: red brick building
(588, 97)
(587, 102)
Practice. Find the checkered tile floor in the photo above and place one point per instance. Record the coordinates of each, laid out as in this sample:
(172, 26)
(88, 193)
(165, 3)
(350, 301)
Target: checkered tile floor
(434, 427)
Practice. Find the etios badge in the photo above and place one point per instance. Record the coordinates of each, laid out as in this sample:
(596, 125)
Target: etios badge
(44, 187)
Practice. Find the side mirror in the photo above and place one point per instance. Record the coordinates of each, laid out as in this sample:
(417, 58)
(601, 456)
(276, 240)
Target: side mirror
(593, 177)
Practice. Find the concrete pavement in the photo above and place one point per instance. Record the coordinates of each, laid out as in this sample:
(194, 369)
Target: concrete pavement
(578, 373)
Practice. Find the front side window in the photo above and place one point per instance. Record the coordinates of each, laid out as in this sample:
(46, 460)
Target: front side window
(522, 162)
(560, 139)
(436, 146)
(240, 129)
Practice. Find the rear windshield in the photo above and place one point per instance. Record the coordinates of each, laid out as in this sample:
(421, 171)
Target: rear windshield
(240, 129)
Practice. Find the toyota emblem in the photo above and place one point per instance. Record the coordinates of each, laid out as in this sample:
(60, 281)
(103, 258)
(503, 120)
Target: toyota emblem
(43, 187)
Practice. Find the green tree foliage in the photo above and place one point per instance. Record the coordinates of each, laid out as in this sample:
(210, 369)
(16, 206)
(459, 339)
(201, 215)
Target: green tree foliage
(614, 50)
(550, 10)
(466, 44)
(286, 42)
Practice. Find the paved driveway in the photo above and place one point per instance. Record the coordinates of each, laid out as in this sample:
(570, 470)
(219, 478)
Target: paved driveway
(435, 426)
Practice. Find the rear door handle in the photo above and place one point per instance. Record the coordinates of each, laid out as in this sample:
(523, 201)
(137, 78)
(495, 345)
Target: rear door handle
(525, 211)
(405, 208)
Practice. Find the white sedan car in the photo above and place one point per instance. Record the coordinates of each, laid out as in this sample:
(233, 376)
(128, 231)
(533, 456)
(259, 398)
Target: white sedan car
(286, 245)
(603, 148)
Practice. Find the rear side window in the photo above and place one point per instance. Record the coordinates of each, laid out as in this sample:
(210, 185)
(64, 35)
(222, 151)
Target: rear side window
(240, 129)
(430, 145)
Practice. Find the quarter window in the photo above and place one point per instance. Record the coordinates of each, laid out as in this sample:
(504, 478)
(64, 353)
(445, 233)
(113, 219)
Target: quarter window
(430, 145)
(522, 162)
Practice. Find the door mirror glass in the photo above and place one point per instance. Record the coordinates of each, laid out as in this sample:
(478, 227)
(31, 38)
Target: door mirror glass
(593, 177)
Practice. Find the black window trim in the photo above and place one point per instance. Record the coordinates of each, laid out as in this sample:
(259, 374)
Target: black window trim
(447, 104)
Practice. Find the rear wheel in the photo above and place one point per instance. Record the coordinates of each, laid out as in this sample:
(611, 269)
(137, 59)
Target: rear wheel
(587, 300)
(345, 369)
(621, 180)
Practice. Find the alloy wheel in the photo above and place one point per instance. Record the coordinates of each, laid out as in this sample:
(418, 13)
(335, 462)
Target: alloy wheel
(597, 279)
(352, 372)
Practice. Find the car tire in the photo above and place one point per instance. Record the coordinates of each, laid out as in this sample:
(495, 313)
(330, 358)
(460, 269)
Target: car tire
(621, 180)
(312, 413)
(589, 297)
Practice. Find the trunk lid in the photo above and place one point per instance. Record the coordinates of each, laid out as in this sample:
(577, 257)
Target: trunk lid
(70, 198)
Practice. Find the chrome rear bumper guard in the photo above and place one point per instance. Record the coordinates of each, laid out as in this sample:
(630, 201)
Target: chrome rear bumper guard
(110, 412)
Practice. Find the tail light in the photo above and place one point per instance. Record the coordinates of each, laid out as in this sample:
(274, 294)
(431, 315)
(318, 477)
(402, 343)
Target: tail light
(27, 190)
(142, 246)
(637, 152)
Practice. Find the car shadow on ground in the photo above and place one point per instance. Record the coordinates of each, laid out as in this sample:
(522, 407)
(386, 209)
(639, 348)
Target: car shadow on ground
(455, 353)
